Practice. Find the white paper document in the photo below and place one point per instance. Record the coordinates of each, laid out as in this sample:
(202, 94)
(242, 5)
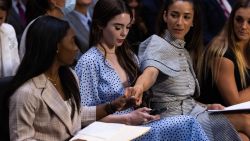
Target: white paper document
(100, 131)
(236, 107)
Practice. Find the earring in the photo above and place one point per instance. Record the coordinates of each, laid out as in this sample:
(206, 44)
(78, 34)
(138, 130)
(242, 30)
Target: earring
(57, 51)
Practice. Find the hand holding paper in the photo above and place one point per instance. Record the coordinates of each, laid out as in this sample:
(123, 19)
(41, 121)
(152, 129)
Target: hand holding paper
(236, 107)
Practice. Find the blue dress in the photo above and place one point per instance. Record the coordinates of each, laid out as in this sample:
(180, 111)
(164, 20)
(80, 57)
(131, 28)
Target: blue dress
(99, 83)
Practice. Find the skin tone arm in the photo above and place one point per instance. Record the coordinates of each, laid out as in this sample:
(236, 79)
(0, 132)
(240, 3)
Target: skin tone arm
(145, 81)
(227, 85)
(136, 117)
(101, 111)
(121, 103)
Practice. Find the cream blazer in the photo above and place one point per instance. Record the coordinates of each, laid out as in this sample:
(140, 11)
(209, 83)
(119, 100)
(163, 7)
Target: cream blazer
(37, 112)
(9, 57)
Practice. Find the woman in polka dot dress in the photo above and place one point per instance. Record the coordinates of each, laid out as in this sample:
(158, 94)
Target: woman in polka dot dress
(109, 66)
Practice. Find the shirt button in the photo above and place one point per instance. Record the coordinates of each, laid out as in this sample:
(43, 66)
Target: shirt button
(181, 54)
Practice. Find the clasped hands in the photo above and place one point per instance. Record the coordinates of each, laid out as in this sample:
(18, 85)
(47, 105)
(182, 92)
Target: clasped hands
(136, 92)
(133, 97)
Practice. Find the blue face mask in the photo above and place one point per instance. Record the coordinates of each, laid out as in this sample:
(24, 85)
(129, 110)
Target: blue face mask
(69, 6)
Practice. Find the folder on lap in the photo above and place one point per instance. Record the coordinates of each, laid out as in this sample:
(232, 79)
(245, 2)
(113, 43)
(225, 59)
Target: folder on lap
(100, 131)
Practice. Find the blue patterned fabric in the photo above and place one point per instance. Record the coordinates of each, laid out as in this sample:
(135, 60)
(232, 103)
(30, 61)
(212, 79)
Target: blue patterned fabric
(177, 128)
(99, 83)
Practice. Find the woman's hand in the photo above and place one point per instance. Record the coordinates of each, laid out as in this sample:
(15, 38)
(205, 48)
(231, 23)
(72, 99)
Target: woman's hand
(123, 102)
(215, 107)
(141, 116)
(137, 92)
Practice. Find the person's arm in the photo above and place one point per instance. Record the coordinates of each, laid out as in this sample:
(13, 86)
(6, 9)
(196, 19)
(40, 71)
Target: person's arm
(119, 104)
(100, 112)
(93, 113)
(136, 117)
(22, 106)
(104, 112)
(145, 81)
(226, 84)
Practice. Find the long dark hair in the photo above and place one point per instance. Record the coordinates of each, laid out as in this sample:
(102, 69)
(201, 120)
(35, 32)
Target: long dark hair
(194, 38)
(42, 39)
(104, 11)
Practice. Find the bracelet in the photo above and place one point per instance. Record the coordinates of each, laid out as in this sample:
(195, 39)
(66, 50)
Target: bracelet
(110, 108)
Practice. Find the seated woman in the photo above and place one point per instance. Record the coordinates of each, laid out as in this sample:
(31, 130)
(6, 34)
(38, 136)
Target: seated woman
(225, 75)
(109, 66)
(168, 70)
(43, 98)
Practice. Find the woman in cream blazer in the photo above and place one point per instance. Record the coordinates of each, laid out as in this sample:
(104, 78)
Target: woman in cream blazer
(44, 99)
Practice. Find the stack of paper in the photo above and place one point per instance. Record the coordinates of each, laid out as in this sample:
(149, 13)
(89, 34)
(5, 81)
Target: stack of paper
(100, 131)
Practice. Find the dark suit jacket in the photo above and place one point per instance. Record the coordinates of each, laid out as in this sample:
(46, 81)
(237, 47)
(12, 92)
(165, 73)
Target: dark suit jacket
(14, 20)
(213, 18)
(149, 13)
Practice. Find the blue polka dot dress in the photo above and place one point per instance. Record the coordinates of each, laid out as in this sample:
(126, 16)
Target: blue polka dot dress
(99, 83)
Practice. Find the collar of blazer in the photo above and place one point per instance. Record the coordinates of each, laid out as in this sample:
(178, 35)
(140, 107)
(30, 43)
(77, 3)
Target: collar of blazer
(55, 102)
(40, 81)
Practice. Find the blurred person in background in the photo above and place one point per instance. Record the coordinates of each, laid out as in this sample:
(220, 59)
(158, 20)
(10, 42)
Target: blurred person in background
(17, 16)
(9, 58)
(215, 14)
(138, 31)
(80, 20)
(225, 67)
(36, 8)
(149, 12)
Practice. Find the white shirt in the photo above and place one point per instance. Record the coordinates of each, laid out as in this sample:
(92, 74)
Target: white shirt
(9, 58)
